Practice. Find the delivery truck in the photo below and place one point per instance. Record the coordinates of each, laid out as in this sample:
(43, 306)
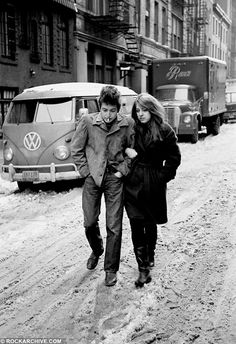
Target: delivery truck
(192, 91)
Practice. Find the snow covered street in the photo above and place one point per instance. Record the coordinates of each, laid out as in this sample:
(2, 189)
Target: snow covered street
(46, 290)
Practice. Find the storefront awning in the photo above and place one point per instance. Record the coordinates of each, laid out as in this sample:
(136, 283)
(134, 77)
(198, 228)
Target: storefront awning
(67, 3)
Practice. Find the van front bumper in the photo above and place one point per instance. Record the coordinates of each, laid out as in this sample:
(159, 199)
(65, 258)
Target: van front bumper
(39, 173)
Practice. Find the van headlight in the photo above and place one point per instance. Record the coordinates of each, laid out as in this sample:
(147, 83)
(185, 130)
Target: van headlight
(187, 119)
(8, 154)
(61, 152)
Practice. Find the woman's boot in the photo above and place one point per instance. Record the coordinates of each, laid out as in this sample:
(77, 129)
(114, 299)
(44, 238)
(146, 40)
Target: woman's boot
(141, 251)
(144, 271)
(151, 254)
(151, 233)
(144, 277)
(151, 259)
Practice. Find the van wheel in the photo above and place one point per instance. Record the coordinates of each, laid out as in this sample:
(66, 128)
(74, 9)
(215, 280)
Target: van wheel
(24, 185)
(195, 136)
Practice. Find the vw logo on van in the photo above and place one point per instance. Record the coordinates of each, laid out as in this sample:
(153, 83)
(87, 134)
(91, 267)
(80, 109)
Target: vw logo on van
(32, 141)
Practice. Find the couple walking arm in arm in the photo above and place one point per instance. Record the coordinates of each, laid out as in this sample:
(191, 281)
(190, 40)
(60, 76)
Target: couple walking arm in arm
(128, 160)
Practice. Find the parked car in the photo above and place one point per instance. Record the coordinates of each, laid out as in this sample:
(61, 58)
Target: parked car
(230, 99)
(39, 127)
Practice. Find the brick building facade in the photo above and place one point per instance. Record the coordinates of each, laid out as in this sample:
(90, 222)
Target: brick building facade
(36, 45)
(111, 41)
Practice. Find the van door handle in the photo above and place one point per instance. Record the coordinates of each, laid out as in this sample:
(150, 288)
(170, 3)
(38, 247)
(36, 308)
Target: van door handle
(68, 139)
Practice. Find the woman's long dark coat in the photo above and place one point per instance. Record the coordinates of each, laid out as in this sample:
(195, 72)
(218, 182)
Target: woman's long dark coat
(154, 166)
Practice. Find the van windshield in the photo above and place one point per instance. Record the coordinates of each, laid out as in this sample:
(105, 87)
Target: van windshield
(21, 112)
(48, 111)
(56, 110)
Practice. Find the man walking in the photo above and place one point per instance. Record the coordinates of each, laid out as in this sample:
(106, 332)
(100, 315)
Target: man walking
(98, 149)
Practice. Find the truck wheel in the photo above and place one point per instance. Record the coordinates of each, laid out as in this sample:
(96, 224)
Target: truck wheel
(195, 136)
(24, 185)
(213, 126)
(209, 128)
(216, 126)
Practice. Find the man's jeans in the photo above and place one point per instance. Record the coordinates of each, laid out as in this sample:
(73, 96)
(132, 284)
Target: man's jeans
(112, 188)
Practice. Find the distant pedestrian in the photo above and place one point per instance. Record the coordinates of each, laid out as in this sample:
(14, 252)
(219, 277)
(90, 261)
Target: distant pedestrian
(156, 157)
(98, 149)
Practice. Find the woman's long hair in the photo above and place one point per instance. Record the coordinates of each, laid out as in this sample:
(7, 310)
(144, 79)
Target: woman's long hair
(153, 127)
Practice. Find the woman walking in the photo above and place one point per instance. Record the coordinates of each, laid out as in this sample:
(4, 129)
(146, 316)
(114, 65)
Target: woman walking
(155, 159)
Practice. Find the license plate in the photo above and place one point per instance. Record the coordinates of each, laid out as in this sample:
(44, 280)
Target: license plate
(30, 176)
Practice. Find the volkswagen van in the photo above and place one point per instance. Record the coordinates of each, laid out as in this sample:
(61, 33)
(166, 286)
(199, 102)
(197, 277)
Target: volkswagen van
(39, 126)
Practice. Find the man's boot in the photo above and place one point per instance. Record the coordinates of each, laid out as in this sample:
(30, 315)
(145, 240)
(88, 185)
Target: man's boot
(95, 240)
(92, 261)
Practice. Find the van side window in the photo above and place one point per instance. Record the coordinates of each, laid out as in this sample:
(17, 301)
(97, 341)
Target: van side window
(127, 104)
(79, 104)
(92, 105)
(21, 112)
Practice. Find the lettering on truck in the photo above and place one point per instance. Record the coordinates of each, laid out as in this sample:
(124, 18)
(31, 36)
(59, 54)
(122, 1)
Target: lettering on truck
(176, 73)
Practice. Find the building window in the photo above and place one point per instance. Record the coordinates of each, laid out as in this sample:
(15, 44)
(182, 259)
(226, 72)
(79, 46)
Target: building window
(24, 31)
(176, 33)
(63, 42)
(6, 95)
(8, 33)
(109, 61)
(34, 51)
(101, 65)
(99, 74)
(91, 64)
(147, 19)
(213, 50)
(102, 7)
(89, 5)
(164, 26)
(47, 43)
(156, 21)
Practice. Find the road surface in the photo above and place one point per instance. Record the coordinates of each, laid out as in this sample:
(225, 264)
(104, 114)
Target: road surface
(47, 292)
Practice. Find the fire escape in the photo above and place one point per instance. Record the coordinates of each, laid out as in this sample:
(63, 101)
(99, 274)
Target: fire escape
(118, 23)
(196, 27)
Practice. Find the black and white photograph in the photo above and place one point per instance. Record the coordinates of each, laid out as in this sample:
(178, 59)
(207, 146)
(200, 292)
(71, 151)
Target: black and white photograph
(118, 172)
